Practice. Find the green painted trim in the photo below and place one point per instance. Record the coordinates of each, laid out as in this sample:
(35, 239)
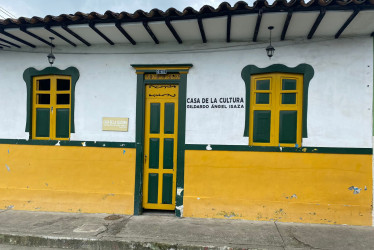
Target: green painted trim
(98, 144)
(28, 75)
(372, 107)
(320, 150)
(304, 69)
(151, 71)
(139, 138)
(181, 143)
(160, 65)
(160, 81)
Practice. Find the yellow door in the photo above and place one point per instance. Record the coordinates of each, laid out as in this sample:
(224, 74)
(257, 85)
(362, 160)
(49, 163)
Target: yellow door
(160, 146)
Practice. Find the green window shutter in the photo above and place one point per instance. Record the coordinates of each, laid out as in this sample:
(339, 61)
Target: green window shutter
(261, 125)
(287, 126)
(62, 123)
(42, 122)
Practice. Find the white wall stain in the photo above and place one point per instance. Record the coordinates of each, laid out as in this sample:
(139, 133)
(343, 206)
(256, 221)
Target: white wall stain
(294, 196)
(208, 147)
(179, 191)
(57, 144)
(83, 144)
(180, 208)
(7, 167)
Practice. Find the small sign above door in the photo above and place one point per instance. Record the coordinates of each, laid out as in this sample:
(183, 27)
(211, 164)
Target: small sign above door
(115, 124)
(161, 71)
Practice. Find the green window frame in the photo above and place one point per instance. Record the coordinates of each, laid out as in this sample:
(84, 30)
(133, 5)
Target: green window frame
(62, 124)
(305, 70)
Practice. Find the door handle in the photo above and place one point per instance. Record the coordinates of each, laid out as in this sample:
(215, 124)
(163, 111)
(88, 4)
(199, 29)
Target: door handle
(145, 158)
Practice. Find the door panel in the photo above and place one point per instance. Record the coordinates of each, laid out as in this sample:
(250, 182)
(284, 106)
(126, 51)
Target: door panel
(160, 146)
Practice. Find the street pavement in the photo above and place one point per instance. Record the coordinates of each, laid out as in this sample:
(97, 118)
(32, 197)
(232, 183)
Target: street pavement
(46, 230)
(17, 247)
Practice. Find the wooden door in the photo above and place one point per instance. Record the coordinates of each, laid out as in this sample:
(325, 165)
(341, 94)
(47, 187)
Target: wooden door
(160, 146)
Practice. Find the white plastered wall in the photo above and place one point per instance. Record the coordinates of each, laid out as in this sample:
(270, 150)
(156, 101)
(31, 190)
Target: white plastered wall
(340, 93)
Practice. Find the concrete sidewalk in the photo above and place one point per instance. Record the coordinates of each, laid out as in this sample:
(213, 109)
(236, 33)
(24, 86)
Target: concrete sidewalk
(160, 231)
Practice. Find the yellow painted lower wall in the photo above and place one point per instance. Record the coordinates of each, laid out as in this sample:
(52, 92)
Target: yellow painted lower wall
(276, 186)
(67, 179)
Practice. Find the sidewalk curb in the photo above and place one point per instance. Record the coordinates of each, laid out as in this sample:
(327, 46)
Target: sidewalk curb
(102, 244)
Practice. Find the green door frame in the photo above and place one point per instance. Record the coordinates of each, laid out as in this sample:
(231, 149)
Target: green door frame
(141, 70)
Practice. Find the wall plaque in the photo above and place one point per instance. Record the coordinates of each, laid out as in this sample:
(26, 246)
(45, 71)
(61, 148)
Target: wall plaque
(115, 124)
(161, 71)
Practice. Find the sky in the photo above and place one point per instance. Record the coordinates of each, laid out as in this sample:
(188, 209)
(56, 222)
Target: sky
(41, 8)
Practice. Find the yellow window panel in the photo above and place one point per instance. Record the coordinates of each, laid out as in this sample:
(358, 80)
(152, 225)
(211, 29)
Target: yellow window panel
(276, 110)
(51, 107)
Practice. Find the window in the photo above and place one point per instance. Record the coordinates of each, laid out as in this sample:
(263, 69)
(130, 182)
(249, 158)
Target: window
(276, 101)
(51, 107)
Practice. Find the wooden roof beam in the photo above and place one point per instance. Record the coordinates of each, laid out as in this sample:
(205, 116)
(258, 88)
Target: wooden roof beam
(2, 31)
(228, 29)
(173, 31)
(23, 29)
(150, 32)
(92, 26)
(122, 30)
(59, 35)
(65, 27)
(286, 24)
(322, 13)
(13, 44)
(4, 45)
(201, 28)
(258, 23)
(345, 25)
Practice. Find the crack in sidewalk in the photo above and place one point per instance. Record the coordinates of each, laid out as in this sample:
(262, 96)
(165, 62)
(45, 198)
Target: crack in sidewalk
(303, 243)
(114, 228)
(276, 226)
